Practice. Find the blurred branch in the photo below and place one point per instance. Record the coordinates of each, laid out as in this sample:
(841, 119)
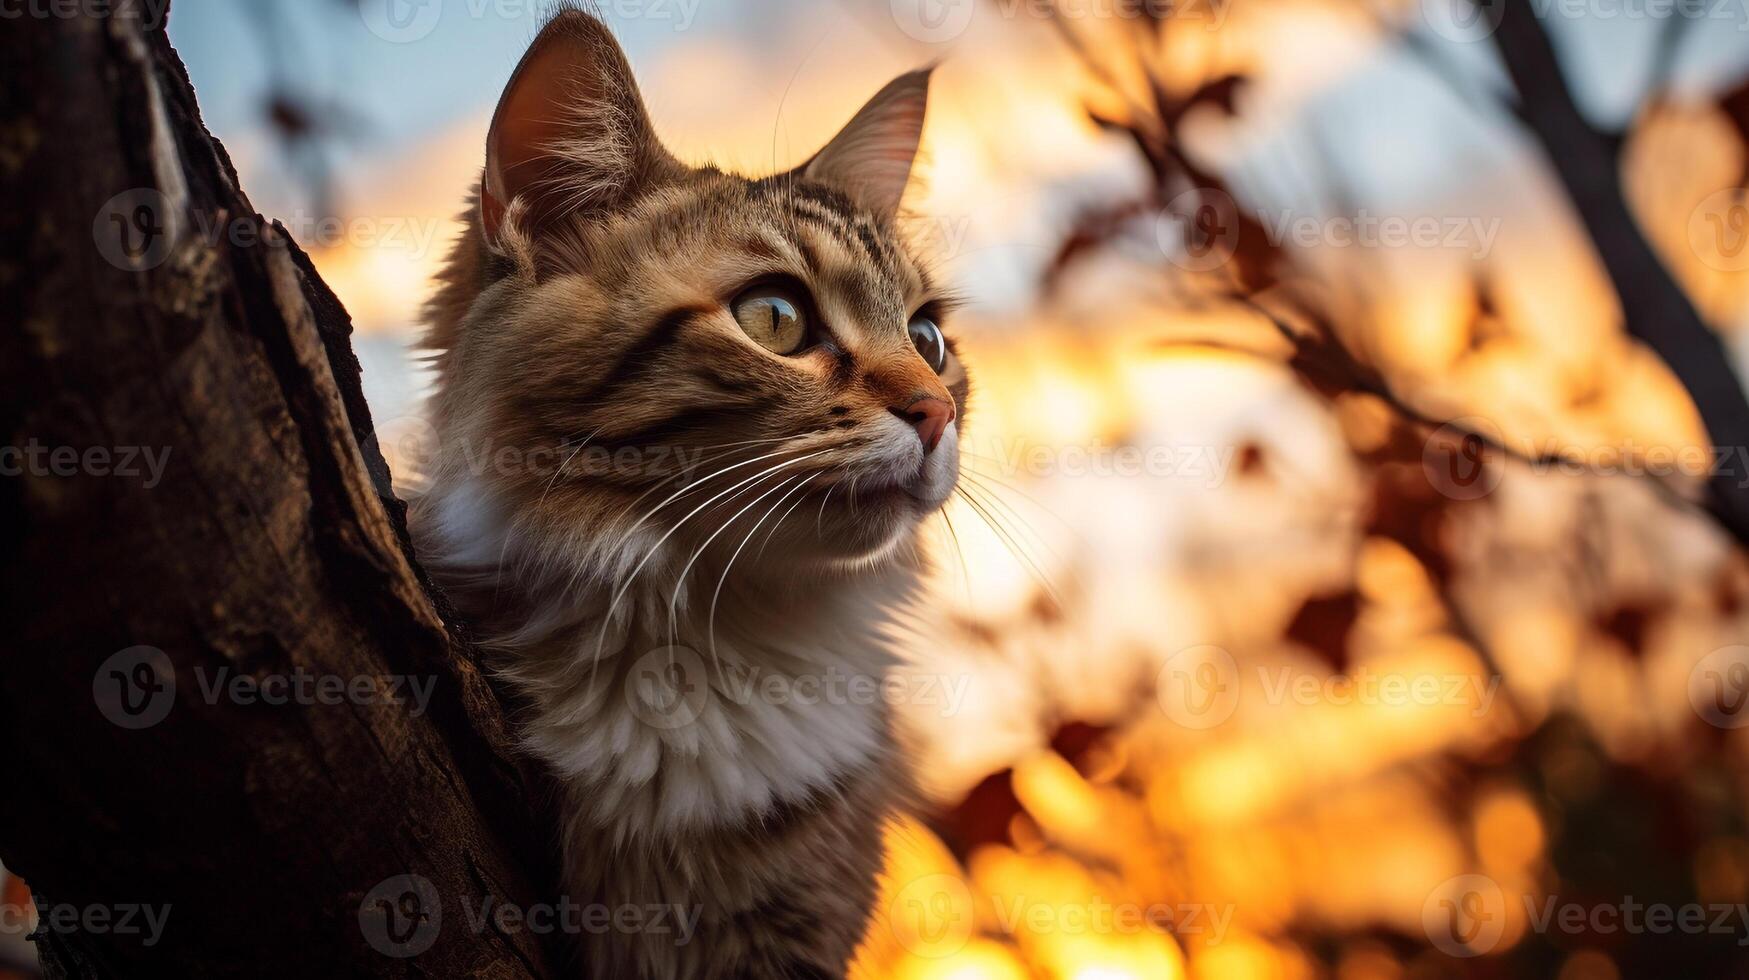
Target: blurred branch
(1655, 309)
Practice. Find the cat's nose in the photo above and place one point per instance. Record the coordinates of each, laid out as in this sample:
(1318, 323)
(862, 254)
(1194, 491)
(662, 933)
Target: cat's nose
(930, 417)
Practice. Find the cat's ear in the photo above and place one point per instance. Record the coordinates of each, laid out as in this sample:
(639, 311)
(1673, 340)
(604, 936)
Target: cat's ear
(571, 134)
(870, 159)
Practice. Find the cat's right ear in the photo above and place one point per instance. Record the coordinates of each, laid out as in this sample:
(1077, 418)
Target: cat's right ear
(571, 134)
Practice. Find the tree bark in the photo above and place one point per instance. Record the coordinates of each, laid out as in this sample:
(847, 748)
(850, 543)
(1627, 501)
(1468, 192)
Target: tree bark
(274, 837)
(1655, 310)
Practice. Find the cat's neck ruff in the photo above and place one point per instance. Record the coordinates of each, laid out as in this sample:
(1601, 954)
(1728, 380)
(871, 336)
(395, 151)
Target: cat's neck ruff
(674, 706)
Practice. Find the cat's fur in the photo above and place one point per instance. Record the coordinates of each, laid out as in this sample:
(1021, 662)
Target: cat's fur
(585, 313)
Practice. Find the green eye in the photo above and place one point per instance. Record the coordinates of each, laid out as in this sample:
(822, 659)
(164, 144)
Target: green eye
(927, 338)
(773, 317)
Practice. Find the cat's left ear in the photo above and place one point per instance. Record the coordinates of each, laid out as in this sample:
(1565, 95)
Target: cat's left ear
(870, 159)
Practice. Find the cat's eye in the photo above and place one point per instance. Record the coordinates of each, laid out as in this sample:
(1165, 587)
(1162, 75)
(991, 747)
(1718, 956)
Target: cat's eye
(927, 338)
(774, 316)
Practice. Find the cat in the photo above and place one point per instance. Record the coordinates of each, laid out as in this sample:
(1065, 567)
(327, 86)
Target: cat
(729, 406)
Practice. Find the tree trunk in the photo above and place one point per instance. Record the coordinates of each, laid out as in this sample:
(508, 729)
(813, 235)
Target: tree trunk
(340, 823)
(1655, 310)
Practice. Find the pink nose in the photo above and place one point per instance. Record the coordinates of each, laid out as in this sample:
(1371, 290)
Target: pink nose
(930, 417)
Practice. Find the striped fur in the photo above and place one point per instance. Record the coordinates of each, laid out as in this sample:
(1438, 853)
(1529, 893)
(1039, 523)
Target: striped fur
(580, 326)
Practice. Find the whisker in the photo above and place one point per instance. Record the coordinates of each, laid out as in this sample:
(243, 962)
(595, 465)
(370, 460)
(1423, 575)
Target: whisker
(711, 617)
(613, 604)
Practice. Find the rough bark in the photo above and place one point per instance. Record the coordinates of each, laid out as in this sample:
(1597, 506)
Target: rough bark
(271, 547)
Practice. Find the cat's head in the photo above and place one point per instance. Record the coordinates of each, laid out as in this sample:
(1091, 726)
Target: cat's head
(629, 327)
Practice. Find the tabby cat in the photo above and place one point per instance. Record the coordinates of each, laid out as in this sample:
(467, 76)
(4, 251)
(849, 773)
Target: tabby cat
(728, 405)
